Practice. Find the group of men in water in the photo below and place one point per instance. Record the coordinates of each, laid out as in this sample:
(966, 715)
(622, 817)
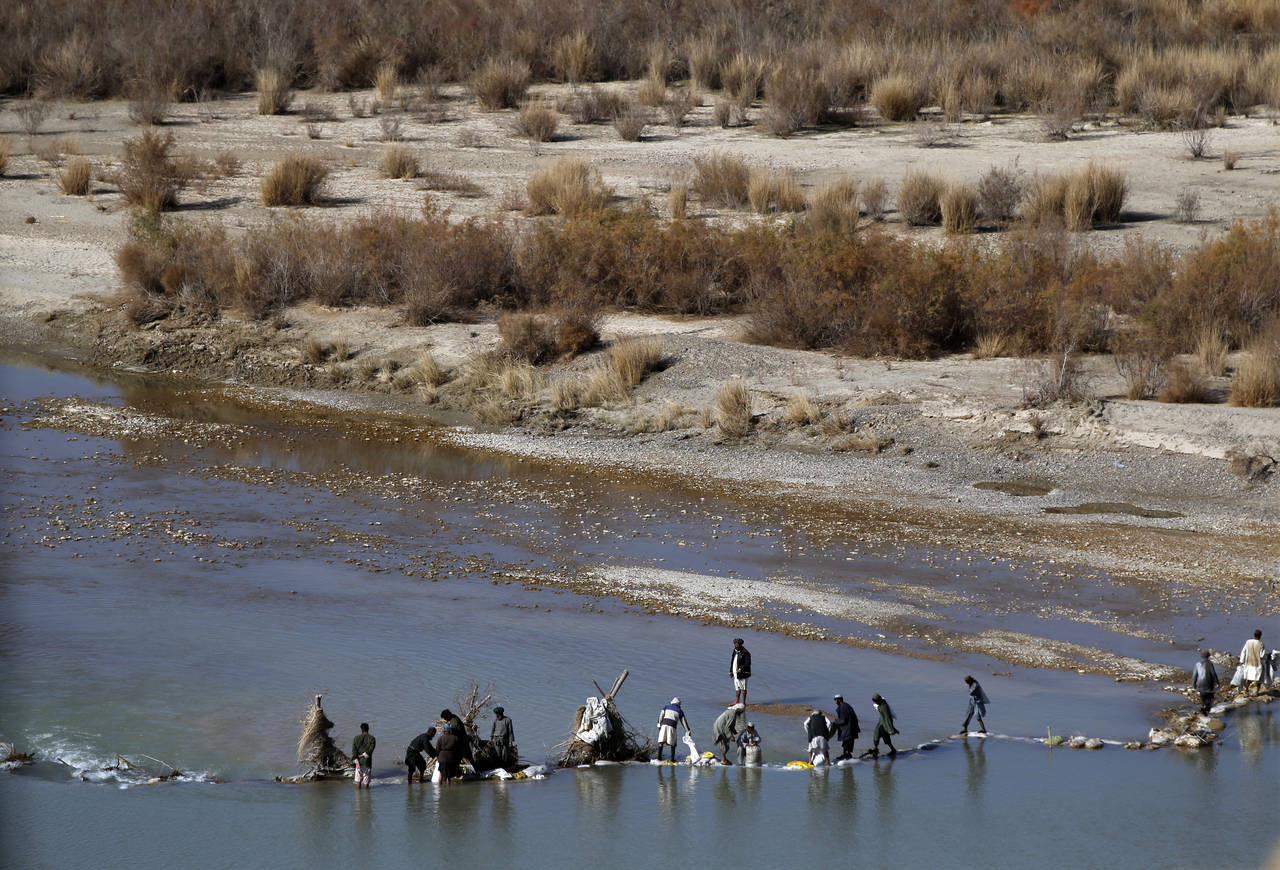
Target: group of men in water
(451, 746)
(819, 729)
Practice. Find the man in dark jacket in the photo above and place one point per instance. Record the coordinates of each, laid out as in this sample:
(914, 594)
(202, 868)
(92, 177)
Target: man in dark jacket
(362, 755)
(817, 733)
(740, 670)
(978, 702)
(503, 738)
(846, 727)
(454, 724)
(1204, 679)
(413, 755)
(449, 754)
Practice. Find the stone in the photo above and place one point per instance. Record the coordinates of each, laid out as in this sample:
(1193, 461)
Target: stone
(1160, 737)
(1190, 741)
(1093, 743)
(1133, 744)
(1078, 742)
(1215, 724)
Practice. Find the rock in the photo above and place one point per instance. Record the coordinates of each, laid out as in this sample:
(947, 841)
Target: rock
(1133, 744)
(1190, 741)
(1093, 743)
(1078, 742)
(1160, 737)
(1215, 724)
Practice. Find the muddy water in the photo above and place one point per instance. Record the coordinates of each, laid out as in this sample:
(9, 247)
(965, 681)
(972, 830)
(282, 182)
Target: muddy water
(179, 580)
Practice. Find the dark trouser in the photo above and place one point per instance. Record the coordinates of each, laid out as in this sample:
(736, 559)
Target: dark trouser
(975, 706)
(846, 748)
(723, 743)
(1206, 701)
(415, 762)
(882, 734)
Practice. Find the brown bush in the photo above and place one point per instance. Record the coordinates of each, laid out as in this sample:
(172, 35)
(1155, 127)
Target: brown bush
(795, 96)
(1185, 383)
(540, 338)
(896, 98)
(678, 200)
(1256, 383)
(148, 102)
(1000, 194)
(570, 187)
(721, 179)
(574, 58)
(275, 92)
(919, 198)
(4, 156)
(386, 81)
(733, 412)
(595, 105)
(500, 84)
(630, 122)
(959, 206)
(652, 91)
(537, 121)
(295, 180)
(74, 178)
(742, 76)
(834, 207)
(398, 161)
(875, 198)
(148, 177)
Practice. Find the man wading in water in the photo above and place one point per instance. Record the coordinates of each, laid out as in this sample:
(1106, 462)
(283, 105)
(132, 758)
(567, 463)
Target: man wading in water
(503, 738)
(740, 671)
(669, 718)
(978, 702)
(413, 754)
(362, 753)
(1204, 679)
(885, 727)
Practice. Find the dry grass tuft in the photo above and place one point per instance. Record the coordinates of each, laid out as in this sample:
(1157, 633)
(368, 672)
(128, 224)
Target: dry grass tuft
(875, 198)
(919, 198)
(629, 122)
(1230, 157)
(386, 81)
(733, 410)
(573, 58)
(1211, 351)
(570, 188)
(398, 161)
(1185, 383)
(274, 92)
(540, 338)
(429, 370)
(991, 345)
(959, 205)
(295, 180)
(896, 98)
(1256, 383)
(74, 178)
(5, 149)
(148, 177)
(801, 411)
(722, 179)
(834, 207)
(1000, 194)
(678, 200)
(537, 121)
(501, 84)
(862, 444)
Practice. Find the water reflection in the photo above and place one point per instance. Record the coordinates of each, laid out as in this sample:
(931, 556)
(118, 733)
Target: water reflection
(668, 793)
(819, 790)
(976, 768)
(882, 776)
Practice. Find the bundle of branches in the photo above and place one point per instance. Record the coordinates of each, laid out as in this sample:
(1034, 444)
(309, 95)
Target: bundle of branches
(316, 746)
(470, 706)
(620, 743)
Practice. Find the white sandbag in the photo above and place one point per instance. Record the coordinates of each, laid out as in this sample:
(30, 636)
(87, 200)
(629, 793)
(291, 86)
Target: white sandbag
(435, 775)
(751, 756)
(819, 760)
(535, 771)
(496, 773)
(595, 722)
(693, 747)
(1237, 679)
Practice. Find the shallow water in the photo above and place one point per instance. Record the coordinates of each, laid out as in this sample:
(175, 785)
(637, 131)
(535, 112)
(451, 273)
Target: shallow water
(189, 611)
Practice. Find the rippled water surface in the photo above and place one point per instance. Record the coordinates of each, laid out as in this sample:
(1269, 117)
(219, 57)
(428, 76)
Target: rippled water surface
(172, 600)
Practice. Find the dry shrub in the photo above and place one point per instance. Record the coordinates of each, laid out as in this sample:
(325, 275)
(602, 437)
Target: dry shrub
(398, 161)
(959, 205)
(566, 394)
(386, 81)
(834, 207)
(540, 338)
(678, 200)
(537, 121)
(228, 164)
(5, 149)
(1185, 383)
(570, 187)
(1230, 157)
(1060, 380)
(315, 111)
(429, 370)
(389, 128)
(742, 76)
(630, 122)
(1141, 360)
(801, 411)
(787, 192)
(760, 191)
(1000, 194)
(862, 444)
(594, 105)
(296, 180)
(875, 198)
(626, 364)
(500, 84)
(1256, 383)
(704, 54)
(275, 92)
(1078, 203)
(32, 115)
(148, 102)
(896, 98)
(677, 104)
(74, 178)
(990, 345)
(919, 198)
(721, 179)
(1186, 206)
(1045, 200)
(733, 410)
(795, 96)
(652, 91)
(148, 177)
(573, 57)
(455, 182)
(1211, 351)
(1108, 188)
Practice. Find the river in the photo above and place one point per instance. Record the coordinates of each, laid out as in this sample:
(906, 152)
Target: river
(180, 584)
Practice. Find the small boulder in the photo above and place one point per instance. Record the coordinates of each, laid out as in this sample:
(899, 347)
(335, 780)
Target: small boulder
(1078, 742)
(1215, 724)
(1093, 743)
(1190, 741)
(1160, 737)
(1133, 744)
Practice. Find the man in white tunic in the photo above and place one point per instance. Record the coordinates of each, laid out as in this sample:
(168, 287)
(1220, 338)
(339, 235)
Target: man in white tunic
(1251, 663)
